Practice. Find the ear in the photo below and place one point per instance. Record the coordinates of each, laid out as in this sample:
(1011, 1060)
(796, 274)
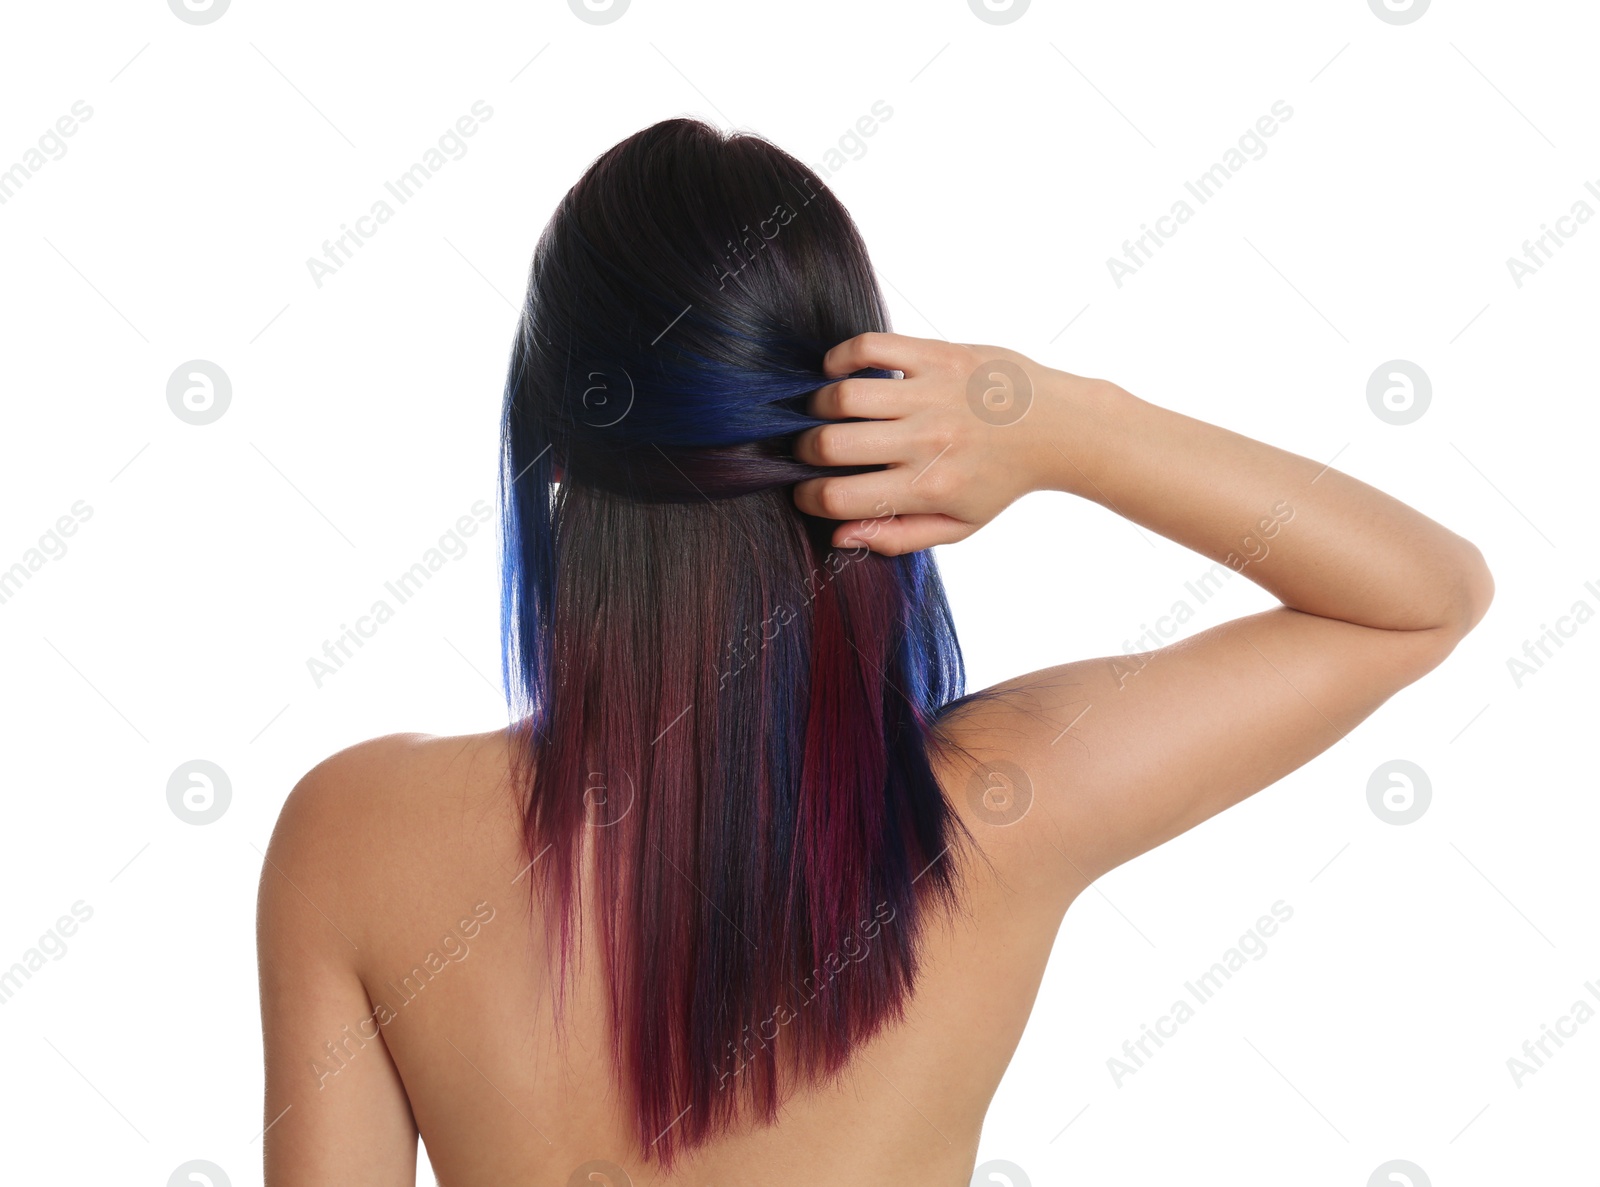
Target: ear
(558, 473)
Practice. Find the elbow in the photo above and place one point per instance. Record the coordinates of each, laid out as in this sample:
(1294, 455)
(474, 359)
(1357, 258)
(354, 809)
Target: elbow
(1469, 596)
(1474, 590)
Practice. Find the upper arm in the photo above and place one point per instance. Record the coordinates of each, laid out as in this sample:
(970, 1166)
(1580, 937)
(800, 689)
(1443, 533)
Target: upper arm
(336, 1110)
(1123, 753)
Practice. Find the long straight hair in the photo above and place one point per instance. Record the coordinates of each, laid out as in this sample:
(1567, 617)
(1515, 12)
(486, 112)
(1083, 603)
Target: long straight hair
(728, 721)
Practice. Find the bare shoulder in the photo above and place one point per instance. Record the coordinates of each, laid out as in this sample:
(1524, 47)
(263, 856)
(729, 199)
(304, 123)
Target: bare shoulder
(403, 811)
(383, 785)
(372, 846)
(396, 772)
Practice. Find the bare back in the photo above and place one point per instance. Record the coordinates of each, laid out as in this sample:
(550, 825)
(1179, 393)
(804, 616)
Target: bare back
(498, 1099)
(404, 989)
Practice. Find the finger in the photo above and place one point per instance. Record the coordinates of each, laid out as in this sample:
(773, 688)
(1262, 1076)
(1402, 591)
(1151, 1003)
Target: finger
(871, 399)
(852, 443)
(859, 496)
(900, 534)
(891, 352)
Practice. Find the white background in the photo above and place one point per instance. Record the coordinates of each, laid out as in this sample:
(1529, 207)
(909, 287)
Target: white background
(218, 558)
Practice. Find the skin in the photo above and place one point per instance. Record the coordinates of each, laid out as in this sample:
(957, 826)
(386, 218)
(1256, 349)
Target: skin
(385, 848)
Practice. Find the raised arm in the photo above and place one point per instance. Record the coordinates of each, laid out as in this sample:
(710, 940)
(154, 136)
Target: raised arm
(1125, 752)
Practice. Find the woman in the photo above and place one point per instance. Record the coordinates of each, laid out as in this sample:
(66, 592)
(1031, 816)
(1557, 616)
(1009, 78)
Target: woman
(750, 892)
